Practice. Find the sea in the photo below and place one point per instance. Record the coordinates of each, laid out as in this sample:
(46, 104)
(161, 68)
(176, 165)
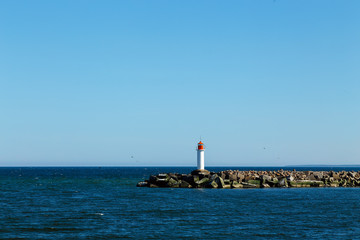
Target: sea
(104, 203)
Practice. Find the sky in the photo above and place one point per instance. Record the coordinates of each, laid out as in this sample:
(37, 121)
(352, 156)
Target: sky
(137, 83)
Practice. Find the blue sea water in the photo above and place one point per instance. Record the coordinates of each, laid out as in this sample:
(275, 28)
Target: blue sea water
(104, 203)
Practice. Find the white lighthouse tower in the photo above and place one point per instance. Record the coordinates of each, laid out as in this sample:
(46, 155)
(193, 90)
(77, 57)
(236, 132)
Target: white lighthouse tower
(200, 156)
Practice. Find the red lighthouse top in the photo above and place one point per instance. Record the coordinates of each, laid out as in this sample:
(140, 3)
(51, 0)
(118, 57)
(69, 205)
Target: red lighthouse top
(200, 146)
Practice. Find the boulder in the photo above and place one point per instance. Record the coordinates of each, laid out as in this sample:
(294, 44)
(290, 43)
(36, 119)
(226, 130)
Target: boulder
(265, 178)
(247, 178)
(290, 178)
(163, 176)
(220, 182)
(184, 184)
(174, 176)
(249, 185)
(236, 184)
(212, 184)
(142, 184)
(318, 175)
(342, 183)
(161, 182)
(203, 182)
(188, 178)
(233, 177)
(272, 183)
(240, 176)
(161, 179)
(213, 177)
(227, 181)
(222, 175)
(311, 177)
(335, 175)
(352, 174)
(153, 179)
(172, 183)
(195, 179)
(282, 183)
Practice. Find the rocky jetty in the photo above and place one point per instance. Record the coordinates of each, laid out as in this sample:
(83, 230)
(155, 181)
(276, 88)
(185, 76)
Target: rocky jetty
(253, 179)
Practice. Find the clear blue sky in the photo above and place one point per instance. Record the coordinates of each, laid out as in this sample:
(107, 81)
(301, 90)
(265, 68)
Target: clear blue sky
(265, 83)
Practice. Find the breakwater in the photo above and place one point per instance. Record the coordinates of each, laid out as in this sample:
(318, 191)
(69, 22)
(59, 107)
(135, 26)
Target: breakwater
(254, 179)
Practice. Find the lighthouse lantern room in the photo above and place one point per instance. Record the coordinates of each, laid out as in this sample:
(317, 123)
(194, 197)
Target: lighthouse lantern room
(200, 156)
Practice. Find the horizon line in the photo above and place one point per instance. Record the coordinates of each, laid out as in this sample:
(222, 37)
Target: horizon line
(305, 165)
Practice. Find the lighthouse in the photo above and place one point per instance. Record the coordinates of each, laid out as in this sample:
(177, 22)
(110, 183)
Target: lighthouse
(200, 155)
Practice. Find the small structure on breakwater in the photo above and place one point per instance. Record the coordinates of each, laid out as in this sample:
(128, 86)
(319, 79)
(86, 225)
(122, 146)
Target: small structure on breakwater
(200, 156)
(254, 179)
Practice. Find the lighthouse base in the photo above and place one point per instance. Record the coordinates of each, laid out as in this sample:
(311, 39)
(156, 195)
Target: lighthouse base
(200, 172)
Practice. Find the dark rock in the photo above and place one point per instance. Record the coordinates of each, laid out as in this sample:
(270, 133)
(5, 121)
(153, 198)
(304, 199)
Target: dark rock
(352, 174)
(152, 179)
(249, 185)
(227, 181)
(203, 182)
(142, 184)
(236, 184)
(174, 176)
(342, 183)
(184, 184)
(290, 178)
(188, 178)
(161, 180)
(195, 179)
(212, 184)
(163, 176)
(213, 177)
(282, 183)
(220, 182)
(172, 183)
(265, 178)
(272, 183)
